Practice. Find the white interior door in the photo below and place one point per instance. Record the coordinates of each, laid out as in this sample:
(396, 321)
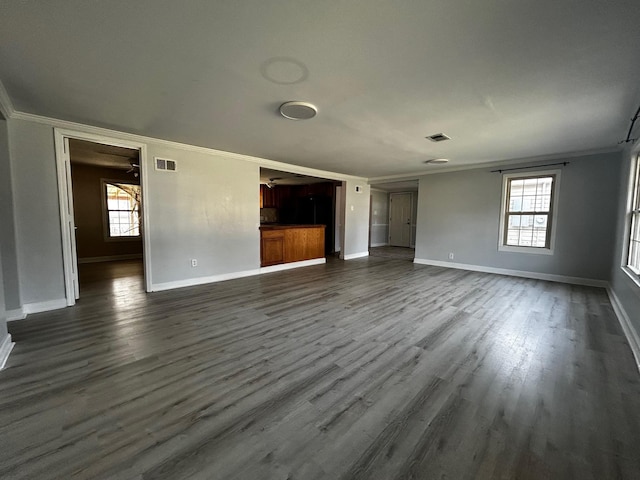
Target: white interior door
(338, 220)
(70, 223)
(400, 219)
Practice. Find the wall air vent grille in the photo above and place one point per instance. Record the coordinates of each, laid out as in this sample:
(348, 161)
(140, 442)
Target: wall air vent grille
(166, 165)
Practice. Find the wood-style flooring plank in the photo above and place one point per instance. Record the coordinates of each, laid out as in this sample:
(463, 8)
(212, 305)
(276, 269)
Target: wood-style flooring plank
(374, 368)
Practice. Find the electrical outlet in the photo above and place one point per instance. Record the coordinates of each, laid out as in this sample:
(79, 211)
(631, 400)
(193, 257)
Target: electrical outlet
(450, 255)
(194, 262)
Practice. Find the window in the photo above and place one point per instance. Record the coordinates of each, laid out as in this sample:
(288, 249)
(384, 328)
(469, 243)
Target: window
(122, 209)
(527, 217)
(633, 261)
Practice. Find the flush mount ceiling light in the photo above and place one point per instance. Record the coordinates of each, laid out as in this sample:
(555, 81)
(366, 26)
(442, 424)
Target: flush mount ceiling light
(298, 110)
(436, 161)
(438, 137)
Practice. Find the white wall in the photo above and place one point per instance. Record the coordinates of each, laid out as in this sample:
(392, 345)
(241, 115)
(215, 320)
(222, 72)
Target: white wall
(379, 218)
(624, 288)
(356, 221)
(459, 212)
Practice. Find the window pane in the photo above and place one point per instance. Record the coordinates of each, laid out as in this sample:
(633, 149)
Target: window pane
(634, 243)
(528, 211)
(530, 185)
(527, 230)
(540, 222)
(513, 235)
(543, 203)
(123, 208)
(529, 203)
(515, 204)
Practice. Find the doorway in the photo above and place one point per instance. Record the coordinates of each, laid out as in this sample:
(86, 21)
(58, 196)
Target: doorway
(101, 190)
(400, 219)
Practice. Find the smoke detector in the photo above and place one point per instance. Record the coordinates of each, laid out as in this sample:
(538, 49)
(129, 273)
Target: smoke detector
(298, 110)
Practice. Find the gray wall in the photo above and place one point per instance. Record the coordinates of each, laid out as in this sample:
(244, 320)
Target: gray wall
(37, 215)
(379, 218)
(626, 290)
(414, 217)
(4, 163)
(459, 212)
(356, 219)
(209, 210)
(8, 253)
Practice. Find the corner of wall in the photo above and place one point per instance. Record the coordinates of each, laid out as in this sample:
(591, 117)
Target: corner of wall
(5, 349)
(633, 338)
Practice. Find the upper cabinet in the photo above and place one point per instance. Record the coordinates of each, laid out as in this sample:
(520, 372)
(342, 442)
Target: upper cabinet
(281, 195)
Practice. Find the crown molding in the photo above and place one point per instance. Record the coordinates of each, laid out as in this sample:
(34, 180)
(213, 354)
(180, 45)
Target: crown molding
(9, 112)
(497, 163)
(6, 105)
(133, 137)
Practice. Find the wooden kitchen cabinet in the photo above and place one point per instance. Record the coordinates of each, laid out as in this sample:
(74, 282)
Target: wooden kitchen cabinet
(290, 243)
(271, 247)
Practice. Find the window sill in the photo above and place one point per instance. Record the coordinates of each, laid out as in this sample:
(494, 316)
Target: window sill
(633, 276)
(123, 239)
(533, 250)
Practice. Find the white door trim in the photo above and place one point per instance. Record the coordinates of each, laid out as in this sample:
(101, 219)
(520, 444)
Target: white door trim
(65, 195)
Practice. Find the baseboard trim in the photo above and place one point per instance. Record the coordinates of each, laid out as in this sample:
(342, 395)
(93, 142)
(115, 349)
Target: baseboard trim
(110, 258)
(373, 245)
(633, 338)
(289, 266)
(17, 314)
(590, 282)
(5, 350)
(38, 307)
(351, 256)
(192, 282)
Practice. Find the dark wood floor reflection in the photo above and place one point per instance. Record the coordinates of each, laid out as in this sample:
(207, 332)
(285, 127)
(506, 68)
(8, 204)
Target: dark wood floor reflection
(397, 253)
(368, 369)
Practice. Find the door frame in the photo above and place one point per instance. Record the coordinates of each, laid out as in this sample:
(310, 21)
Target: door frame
(65, 203)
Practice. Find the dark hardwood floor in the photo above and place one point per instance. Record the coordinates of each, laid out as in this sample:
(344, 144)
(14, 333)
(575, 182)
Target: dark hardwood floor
(368, 369)
(398, 253)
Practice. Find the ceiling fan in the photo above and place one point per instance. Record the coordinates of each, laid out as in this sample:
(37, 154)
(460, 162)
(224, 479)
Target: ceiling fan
(271, 183)
(135, 169)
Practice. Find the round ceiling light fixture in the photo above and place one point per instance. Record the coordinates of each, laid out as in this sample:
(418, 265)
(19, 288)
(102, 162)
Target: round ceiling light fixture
(298, 110)
(436, 161)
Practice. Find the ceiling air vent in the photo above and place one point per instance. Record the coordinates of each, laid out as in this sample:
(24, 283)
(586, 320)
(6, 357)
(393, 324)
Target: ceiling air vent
(166, 165)
(438, 137)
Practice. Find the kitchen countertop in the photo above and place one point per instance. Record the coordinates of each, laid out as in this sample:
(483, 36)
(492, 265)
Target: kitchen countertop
(278, 226)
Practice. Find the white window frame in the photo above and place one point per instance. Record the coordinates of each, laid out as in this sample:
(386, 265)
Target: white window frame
(633, 189)
(553, 213)
(105, 214)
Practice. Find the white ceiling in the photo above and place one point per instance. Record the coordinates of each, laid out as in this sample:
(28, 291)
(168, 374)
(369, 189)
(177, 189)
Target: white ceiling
(504, 79)
(403, 186)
